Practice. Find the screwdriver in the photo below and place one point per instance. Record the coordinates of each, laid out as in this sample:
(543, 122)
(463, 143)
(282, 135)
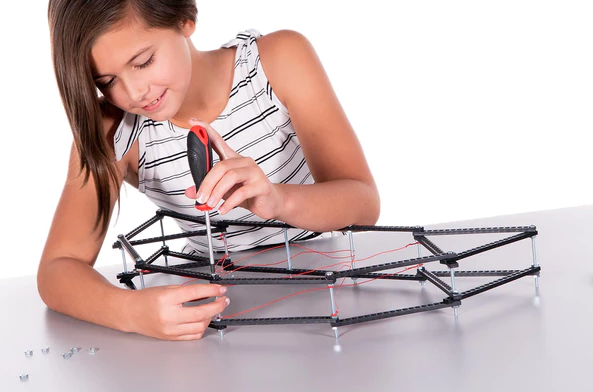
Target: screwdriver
(199, 155)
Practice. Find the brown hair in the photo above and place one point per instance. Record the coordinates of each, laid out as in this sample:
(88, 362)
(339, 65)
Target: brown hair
(74, 26)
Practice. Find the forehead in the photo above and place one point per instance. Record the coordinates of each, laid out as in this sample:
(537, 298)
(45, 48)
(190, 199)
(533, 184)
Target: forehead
(118, 45)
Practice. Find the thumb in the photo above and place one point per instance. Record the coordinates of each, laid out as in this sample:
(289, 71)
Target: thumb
(218, 144)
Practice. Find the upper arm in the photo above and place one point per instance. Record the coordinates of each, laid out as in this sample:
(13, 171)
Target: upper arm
(72, 233)
(296, 75)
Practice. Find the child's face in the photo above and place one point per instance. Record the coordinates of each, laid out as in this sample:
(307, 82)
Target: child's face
(143, 71)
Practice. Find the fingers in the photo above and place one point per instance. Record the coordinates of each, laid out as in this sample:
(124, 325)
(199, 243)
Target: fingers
(239, 196)
(224, 176)
(218, 144)
(206, 312)
(197, 291)
(191, 192)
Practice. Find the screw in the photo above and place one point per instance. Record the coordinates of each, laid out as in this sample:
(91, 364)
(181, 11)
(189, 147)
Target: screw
(45, 350)
(28, 353)
(67, 355)
(24, 377)
(93, 350)
(74, 350)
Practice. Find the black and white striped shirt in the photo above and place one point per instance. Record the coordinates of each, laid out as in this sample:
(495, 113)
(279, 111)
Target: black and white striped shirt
(254, 123)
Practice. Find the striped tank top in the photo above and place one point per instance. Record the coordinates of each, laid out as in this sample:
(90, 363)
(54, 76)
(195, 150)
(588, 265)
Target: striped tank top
(254, 123)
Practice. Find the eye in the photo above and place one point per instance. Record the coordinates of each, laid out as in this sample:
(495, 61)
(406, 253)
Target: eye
(146, 64)
(106, 85)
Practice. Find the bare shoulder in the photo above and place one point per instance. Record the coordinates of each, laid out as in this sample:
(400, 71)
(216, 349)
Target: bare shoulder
(285, 54)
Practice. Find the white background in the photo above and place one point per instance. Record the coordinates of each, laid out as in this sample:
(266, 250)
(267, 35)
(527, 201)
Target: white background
(465, 109)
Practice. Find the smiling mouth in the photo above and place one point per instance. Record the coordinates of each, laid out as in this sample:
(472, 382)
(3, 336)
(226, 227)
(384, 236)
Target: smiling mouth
(155, 101)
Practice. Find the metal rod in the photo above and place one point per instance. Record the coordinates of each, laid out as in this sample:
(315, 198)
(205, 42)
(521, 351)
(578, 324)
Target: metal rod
(142, 280)
(123, 255)
(287, 243)
(352, 263)
(226, 246)
(535, 263)
(164, 243)
(209, 235)
(453, 280)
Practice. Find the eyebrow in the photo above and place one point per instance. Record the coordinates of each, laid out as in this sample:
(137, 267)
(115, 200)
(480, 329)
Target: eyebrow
(134, 57)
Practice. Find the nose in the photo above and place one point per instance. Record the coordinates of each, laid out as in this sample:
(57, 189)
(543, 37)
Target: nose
(137, 89)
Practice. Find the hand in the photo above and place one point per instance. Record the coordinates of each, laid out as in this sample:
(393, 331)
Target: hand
(236, 179)
(159, 312)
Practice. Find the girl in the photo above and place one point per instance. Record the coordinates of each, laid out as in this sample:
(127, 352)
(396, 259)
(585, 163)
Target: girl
(132, 84)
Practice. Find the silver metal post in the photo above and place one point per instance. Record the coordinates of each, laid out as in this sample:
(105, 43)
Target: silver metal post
(142, 280)
(353, 264)
(164, 244)
(209, 235)
(333, 303)
(226, 246)
(535, 263)
(286, 242)
(454, 289)
(453, 280)
(123, 256)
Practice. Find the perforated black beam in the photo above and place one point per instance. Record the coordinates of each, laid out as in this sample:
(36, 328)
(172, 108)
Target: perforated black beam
(481, 230)
(193, 233)
(143, 226)
(494, 245)
(260, 281)
(432, 278)
(227, 322)
(476, 273)
(428, 244)
(386, 266)
(395, 313)
(500, 282)
(175, 271)
(130, 249)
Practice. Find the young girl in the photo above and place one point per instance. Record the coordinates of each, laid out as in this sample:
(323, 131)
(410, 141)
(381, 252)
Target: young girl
(285, 149)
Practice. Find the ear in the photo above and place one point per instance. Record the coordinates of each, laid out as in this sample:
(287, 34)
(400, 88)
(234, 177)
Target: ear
(188, 27)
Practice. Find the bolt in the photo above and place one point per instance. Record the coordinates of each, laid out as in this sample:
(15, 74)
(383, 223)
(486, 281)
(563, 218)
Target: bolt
(67, 355)
(24, 377)
(28, 353)
(75, 349)
(93, 350)
(45, 350)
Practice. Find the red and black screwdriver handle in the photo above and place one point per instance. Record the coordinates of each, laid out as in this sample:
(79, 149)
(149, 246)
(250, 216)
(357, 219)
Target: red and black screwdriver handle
(199, 155)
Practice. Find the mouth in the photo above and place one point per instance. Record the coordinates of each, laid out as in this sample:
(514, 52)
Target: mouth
(154, 104)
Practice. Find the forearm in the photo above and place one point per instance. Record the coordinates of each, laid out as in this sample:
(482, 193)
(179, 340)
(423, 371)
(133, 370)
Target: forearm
(74, 288)
(329, 205)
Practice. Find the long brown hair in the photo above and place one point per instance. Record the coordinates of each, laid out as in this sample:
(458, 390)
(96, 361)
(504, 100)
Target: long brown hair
(74, 26)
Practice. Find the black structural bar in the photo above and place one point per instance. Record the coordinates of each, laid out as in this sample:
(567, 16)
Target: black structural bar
(143, 226)
(494, 245)
(130, 249)
(174, 236)
(474, 273)
(481, 230)
(260, 281)
(405, 229)
(428, 244)
(499, 282)
(224, 322)
(175, 271)
(187, 256)
(161, 251)
(432, 278)
(396, 264)
(394, 313)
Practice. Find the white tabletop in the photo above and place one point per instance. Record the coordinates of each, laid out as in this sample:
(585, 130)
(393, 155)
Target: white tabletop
(506, 339)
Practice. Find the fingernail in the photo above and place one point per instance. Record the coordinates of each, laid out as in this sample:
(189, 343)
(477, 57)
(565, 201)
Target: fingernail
(211, 202)
(227, 300)
(222, 289)
(200, 198)
(193, 119)
(222, 210)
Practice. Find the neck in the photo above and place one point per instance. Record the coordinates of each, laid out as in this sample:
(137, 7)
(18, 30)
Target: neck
(210, 84)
